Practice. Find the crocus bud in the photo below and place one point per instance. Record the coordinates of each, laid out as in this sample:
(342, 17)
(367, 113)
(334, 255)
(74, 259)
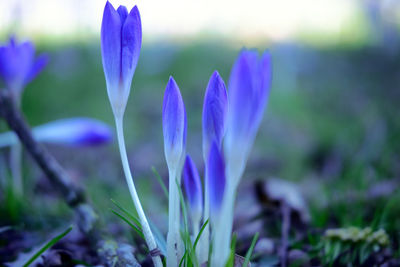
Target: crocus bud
(121, 40)
(18, 65)
(193, 189)
(249, 87)
(216, 180)
(74, 132)
(68, 132)
(174, 125)
(215, 109)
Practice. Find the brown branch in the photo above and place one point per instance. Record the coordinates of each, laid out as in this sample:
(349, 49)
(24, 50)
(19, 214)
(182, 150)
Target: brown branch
(72, 194)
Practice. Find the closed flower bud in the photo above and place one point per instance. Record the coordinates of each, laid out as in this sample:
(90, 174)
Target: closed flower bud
(249, 87)
(193, 189)
(68, 132)
(121, 40)
(174, 125)
(215, 109)
(216, 180)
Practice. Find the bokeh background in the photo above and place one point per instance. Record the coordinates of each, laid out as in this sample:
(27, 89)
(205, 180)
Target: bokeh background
(332, 124)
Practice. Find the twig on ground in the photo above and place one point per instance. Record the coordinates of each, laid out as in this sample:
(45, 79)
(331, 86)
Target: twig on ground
(73, 195)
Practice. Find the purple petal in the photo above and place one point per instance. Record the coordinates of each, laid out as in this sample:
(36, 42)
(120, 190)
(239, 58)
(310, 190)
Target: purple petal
(131, 44)
(74, 132)
(123, 13)
(248, 90)
(193, 187)
(40, 63)
(215, 109)
(111, 53)
(174, 123)
(216, 179)
(15, 63)
(242, 93)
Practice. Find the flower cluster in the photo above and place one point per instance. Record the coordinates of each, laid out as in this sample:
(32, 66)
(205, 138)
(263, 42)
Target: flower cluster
(230, 124)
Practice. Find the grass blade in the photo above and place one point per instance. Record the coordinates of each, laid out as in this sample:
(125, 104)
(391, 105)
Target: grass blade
(134, 227)
(47, 246)
(231, 259)
(199, 235)
(127, 213)
(160, 181)
(250, 251)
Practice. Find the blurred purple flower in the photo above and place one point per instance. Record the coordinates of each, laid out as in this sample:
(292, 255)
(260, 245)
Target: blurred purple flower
(74, 132)
(193, 187)
(174, 124)
(215, 109)
(121, 40)
(249, 87)
(70, 132)
(18, 65)
(216, 180)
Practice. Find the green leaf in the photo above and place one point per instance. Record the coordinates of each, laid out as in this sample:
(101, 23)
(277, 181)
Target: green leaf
(160, 181)
(47, 246)
(250, 251)
(134, 227)
(199, 235)
(231, 259)
(127, 213)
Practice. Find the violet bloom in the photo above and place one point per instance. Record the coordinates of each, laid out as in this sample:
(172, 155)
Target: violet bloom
(69, 132)
(174, 130)
(249, 87)
(174, 125)
(18, 65)
(74, 132)
(193, 189)
(121, 40)
(216, 180)
(215, 109)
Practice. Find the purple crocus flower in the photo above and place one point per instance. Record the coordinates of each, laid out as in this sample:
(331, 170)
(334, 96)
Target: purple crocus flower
(215, 109)
(18, 65)
(74, 132)
(174, 124)
(216, 180)
(121, 40)
(193, 189)
(249, 87)
(70, 132)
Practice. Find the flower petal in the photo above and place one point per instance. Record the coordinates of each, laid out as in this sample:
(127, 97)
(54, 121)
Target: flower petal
(111, 53)
(216, 180)
(215, 109)
(123, 13)
(174, 124)
(242, 93)
(131, 44)
(40, 63)
(193, 189)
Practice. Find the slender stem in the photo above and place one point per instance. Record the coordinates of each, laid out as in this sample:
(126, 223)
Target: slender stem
(223, 229)
(173, 236)
(151, 243)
